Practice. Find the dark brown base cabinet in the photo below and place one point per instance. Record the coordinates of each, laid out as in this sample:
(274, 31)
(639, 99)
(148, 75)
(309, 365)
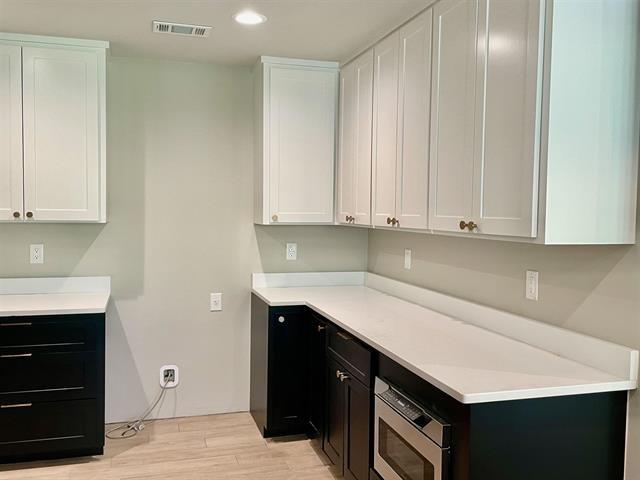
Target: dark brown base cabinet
(309, 376)
(52, 394)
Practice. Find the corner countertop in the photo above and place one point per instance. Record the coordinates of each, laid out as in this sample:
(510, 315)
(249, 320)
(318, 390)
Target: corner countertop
(469, 363)
(53, 296)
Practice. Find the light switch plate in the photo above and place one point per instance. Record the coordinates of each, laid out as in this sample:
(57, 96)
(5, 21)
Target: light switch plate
(407, 259)
(531, 288)
(36, 253)
(216, 302)
(292, 251)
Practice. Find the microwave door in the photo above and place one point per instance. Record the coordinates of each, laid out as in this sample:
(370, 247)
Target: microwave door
(402, 452)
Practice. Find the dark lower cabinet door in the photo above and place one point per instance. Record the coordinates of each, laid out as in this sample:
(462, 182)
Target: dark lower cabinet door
(334, 433)
(357, 430)
(317, 376)
(288, 383)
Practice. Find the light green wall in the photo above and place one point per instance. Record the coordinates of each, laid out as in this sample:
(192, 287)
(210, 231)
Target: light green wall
(180, 226)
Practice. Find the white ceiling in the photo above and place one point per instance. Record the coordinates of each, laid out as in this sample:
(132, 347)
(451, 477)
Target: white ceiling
(316, 29)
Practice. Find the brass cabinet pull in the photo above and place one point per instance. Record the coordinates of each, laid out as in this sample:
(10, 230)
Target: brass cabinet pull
(344, 336)
(349, 219)
(274, 218)
(392, 221)
(338, 373)
(343, 377)
(17, 324)
(17, 355)
(17, 405)
(389, 220)
(29, 214)
(321, 328)
(16, 214)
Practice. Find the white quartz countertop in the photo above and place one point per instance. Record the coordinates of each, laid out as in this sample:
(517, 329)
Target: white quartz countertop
(52, 304)
(471, 364)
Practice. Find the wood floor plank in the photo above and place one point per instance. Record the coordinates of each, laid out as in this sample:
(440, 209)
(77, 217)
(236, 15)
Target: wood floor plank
(214, 447)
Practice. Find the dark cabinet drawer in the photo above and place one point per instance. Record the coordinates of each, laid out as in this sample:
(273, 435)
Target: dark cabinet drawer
(71, 332)
(355, 356)
(51, 428)
(48, 376)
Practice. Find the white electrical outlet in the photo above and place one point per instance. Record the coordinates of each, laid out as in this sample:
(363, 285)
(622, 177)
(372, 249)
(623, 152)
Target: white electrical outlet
(531, 289)
(36, 253)
(292, 251)
(216, 302)
(407, 259)
(169, 376)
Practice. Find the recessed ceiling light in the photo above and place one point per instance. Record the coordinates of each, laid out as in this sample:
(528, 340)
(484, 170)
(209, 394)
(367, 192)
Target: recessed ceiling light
(249, 17)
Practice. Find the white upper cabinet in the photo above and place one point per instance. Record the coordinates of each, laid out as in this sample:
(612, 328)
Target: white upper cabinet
(506, 161)
(385, 129)
(401, 126)
(53, 129)
(453, 113)
(296, 104)
(10, 134)
(354, 151)
(414, 102)
(61, 134)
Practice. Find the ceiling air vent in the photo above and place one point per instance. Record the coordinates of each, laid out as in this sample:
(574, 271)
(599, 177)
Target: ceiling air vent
(181, 29)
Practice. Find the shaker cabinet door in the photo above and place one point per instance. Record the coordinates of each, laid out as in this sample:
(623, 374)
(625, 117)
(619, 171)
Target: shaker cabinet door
(507, 117)
(61, 134)
(302, 111)
(412, 169)
(385, 128)
(453, 90)
(354, 160)
(10, 134)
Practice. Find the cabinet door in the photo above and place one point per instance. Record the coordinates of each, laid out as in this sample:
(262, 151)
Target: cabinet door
(453, 93)
(412, 177)
(358, 430)
(10, 133)
(507, 120)
(288, 374)
(385, 129)
(302, 111)
(356, 120)
(334, 433)
(61, 134)
(317, 376)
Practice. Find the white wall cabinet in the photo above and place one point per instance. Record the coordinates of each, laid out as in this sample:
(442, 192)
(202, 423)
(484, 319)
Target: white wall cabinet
(354, 151)
(486, 95)
(529, 128)
(53, 130)
(296, 103)
(401, 126)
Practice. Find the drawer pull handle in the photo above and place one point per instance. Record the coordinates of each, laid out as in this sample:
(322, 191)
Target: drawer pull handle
(321, 328)
(344, 336)
(17, 355)
(21, 324)
(17, 405)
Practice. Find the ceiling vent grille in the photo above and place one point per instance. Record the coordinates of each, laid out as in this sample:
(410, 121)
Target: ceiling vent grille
(181, 29)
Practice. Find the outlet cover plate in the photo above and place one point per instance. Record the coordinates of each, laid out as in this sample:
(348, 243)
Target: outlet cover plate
(531, 288)
(292, 251)
(175, 382)
(215, 302)
(36, 253)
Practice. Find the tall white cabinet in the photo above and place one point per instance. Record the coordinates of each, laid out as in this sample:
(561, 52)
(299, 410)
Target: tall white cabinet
(296, 104)
(52, 139)
(401, 126)
(485, 121)
(354, 147)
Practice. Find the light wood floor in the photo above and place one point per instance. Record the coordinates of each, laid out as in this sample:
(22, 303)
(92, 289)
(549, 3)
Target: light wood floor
(194, 448)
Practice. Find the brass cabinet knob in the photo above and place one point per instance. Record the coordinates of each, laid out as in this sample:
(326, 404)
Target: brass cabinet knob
(396, 222)
(274, 218)
(471, 226)
(321, 328)
(29, 214)
(391, 221)
(349, 219)
(16, 214)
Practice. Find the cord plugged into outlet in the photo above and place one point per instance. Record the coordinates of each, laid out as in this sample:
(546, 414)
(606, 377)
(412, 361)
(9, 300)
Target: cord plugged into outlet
(169, 376)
